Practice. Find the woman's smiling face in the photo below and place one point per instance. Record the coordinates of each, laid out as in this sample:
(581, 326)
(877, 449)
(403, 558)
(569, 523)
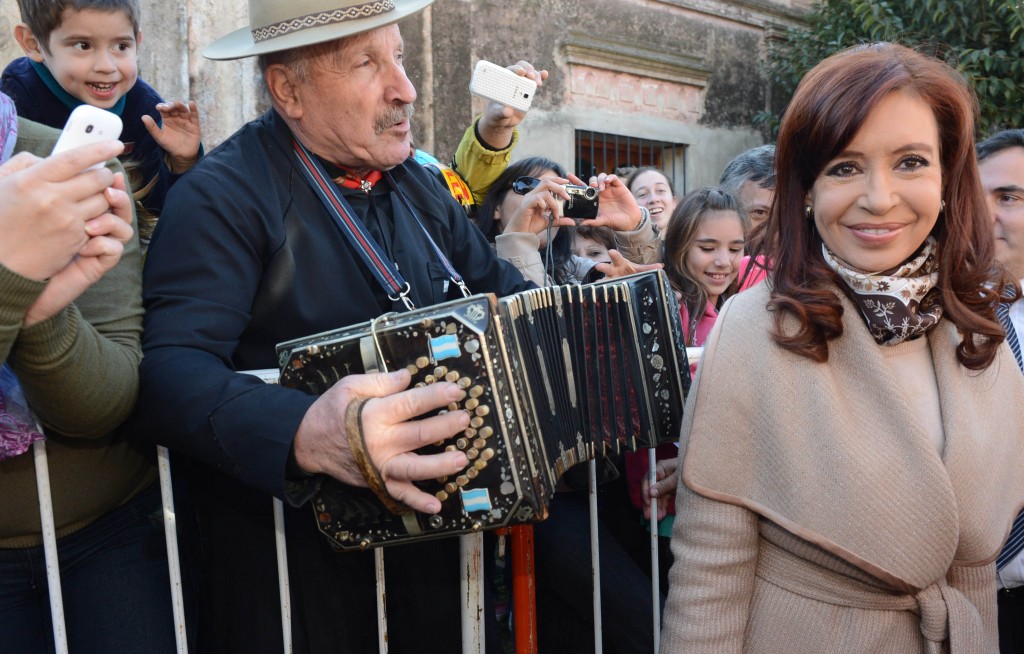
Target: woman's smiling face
(651, 190)
(877, 201)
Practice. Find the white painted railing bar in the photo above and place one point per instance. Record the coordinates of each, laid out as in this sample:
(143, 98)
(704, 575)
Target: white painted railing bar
(270, 376)
(652, 462)
(595, 556)
(60, 635)
(163, 461)
(282, 575)
(471, 559)
(382, 608)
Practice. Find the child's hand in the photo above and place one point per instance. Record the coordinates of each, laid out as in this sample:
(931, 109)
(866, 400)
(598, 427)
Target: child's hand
(179, 136)
(620, 266)
(664, 489)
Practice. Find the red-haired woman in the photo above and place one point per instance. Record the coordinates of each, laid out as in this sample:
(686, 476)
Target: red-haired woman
(854, 497)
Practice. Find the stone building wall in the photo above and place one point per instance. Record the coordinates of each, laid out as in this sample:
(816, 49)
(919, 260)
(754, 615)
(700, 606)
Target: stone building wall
(676, 71)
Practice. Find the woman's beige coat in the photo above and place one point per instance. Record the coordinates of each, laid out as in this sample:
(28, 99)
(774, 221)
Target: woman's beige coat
(815, 515)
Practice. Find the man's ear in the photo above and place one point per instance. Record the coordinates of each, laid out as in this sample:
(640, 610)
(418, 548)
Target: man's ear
(32, 46)
(138, 40)
(284, 90)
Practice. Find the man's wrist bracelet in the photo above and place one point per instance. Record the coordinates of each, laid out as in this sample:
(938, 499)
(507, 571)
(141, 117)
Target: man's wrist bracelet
(369, 470)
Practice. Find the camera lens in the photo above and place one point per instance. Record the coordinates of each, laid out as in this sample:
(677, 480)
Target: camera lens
(88, 129)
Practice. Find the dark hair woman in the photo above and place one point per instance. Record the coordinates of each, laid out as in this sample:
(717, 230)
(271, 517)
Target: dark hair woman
(522, 216)
(855, 497)
(525, 215)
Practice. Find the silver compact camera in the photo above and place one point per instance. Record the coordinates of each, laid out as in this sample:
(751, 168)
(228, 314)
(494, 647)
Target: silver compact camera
(582, 202)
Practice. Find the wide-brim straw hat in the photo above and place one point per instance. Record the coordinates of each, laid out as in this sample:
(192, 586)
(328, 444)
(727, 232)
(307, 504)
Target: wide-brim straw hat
(276, 25)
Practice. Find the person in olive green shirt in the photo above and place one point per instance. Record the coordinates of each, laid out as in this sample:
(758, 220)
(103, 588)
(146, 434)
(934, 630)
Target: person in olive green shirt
(70, 326)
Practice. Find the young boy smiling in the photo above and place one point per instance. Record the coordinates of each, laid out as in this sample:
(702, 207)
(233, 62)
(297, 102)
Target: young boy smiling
(86, 52)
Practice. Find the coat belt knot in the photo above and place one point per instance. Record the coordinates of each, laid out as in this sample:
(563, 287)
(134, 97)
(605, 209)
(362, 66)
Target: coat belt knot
(934, 614)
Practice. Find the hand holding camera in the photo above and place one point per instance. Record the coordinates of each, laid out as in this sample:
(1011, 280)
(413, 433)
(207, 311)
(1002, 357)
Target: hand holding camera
(618, 208)
(578, 201)
(540, 208)
(606, 202)
(105, 237)
(47, 206)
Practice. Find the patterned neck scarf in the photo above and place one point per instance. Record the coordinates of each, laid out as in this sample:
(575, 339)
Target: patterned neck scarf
(900, 304)
(17, 425)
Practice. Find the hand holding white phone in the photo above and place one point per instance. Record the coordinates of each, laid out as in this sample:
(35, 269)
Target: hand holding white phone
(88, 124)
(501, 85)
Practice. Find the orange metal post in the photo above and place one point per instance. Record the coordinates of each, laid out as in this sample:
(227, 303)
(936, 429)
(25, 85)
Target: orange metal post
(524, 589)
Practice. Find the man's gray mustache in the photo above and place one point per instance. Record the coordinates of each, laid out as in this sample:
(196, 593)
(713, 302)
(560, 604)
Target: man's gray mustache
(392, 116)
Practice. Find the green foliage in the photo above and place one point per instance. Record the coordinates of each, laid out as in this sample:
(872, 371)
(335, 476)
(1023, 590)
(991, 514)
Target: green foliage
(983, 39)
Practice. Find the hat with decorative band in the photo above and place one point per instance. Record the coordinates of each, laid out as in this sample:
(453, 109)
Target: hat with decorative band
(276, 25)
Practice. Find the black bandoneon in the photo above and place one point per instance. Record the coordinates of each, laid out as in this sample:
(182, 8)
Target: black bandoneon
(553, 377)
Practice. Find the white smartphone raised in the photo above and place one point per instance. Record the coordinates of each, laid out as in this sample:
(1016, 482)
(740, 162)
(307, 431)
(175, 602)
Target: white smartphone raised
(501, 85)
(88, 124)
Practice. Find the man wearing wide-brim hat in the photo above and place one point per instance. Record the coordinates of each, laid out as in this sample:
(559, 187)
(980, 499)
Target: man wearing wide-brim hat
(248, 255)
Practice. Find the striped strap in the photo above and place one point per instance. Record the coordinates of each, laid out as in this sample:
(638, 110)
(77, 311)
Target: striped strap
(365, 245)
(369, 251)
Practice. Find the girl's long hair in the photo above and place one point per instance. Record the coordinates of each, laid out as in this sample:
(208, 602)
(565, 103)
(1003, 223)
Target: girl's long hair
(680, 235)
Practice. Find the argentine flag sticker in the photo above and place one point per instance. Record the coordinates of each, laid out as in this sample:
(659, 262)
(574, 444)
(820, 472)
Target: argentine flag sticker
(445, 347)
(477, 499)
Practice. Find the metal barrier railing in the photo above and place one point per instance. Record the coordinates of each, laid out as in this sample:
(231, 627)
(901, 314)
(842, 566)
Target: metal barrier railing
(471, 578)
(471, 561)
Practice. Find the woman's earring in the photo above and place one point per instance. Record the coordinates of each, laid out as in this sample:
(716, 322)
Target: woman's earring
(942, 206)
(808, 211)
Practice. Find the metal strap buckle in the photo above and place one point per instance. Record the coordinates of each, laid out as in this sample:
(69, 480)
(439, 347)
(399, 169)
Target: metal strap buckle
(404, 297)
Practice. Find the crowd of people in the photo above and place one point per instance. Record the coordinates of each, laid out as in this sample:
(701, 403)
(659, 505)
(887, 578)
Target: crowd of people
(847, 477)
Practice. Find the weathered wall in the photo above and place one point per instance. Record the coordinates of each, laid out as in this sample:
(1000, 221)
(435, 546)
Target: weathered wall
(683, 71)
(9, 17)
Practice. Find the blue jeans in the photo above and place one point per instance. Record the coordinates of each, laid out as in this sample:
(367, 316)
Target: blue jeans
(114, 581)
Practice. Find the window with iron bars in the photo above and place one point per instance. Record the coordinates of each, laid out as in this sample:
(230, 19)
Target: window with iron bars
(597, 152)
